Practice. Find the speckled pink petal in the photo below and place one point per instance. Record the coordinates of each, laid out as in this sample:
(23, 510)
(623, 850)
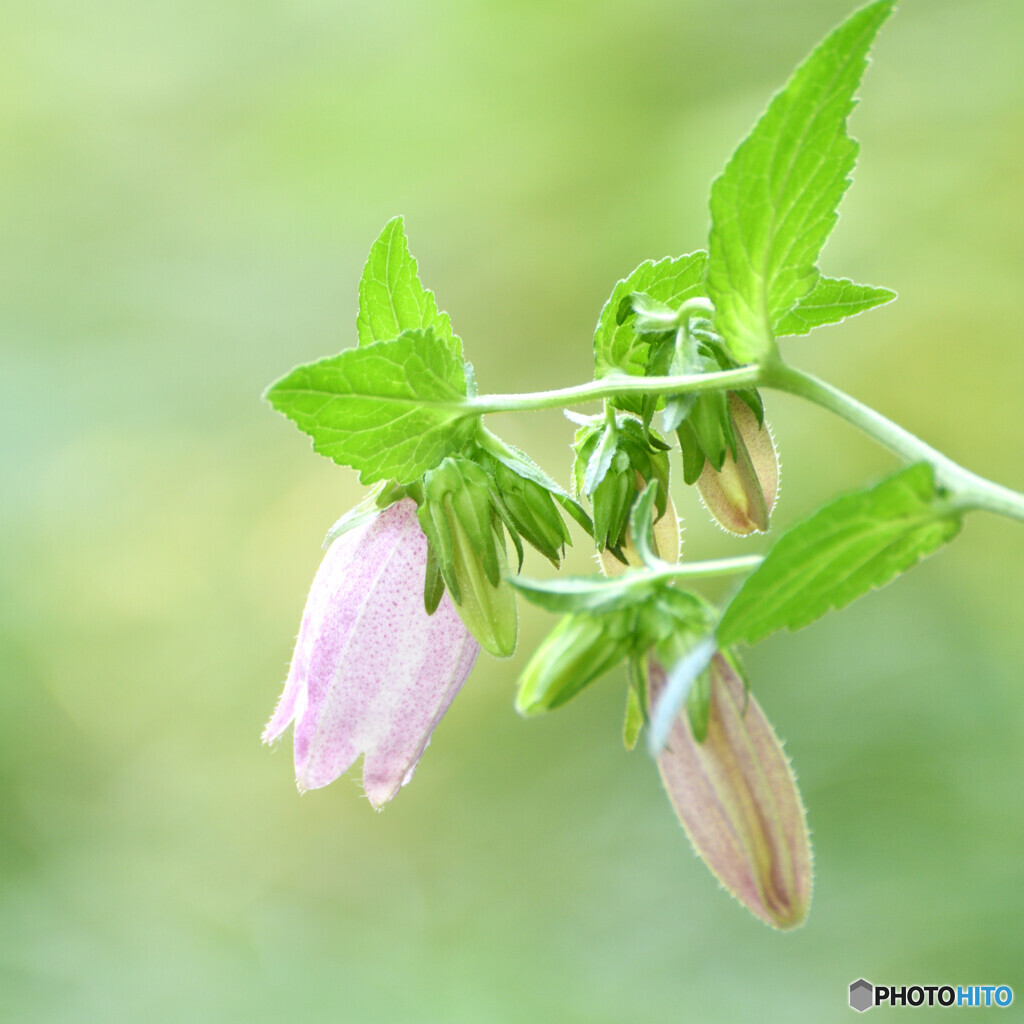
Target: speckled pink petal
(736, 796)
(372, 673)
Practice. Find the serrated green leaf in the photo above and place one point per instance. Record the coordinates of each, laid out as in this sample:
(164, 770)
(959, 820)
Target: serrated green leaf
(832, 299)
(775, 204)
(392, 299)
(390, 410)
(618, 348)
(858, 543)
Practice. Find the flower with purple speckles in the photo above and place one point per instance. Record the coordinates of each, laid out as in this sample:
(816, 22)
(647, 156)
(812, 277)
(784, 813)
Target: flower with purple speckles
(372, 673)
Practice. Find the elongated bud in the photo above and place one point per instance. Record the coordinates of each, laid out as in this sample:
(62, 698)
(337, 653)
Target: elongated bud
(578, 650)
(741, 495)
(737, 798)
(458, 520)
(613, 463)
(533, 512)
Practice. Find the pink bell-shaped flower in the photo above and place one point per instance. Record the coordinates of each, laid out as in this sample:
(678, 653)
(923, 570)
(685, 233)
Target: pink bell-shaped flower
(372, 673)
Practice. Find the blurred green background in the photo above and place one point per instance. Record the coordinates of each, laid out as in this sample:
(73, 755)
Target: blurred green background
(187, 193)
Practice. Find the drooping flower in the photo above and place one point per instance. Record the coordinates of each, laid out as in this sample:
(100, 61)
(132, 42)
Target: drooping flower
(372, 673)
(736, 796)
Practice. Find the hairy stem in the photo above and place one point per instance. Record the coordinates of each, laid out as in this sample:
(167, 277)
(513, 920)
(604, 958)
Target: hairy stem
(612, 387)
(970, 491)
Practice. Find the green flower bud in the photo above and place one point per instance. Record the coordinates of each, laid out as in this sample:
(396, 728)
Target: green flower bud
(459, 522)
(665, 542)
(532, 511)
(741, 495)
(578, 650)
(613, 463)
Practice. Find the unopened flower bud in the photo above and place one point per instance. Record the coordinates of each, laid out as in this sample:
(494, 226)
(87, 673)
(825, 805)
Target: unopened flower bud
(737, 798)
(532, 511)
(664, 542)
(578, 650)
(741, 495)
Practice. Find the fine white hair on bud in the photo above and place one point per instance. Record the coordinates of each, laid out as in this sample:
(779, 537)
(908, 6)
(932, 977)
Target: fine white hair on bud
(737, 798)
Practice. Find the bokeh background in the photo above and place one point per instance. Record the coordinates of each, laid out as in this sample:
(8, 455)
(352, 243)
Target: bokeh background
(187, 193)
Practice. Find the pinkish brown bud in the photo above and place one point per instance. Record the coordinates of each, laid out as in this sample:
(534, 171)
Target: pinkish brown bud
(737, 798)
(741, 495)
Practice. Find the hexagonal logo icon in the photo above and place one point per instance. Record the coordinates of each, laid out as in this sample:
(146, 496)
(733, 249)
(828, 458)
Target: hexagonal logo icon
(862, 995)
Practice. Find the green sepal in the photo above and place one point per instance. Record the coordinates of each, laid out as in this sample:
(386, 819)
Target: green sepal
(686, 655)
(641, 523)
(433, 583)
(503, 514)
(568, 594)
(531, 510)
(601, 457)
(461, 526)
(637, 697)
(634, 720)
(364, 512)
(434, 522)
(639, 455)
(693, 455)
(698, 705)
(522, 465)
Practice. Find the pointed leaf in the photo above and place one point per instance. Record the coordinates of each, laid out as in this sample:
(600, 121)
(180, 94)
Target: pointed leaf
(856, 544)
(392, 299)
(388, 410)
(775, 203)
(829, 301)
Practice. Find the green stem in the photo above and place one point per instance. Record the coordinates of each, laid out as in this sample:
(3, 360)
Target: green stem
(714, 567)
(970, 490)
(613, 387)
